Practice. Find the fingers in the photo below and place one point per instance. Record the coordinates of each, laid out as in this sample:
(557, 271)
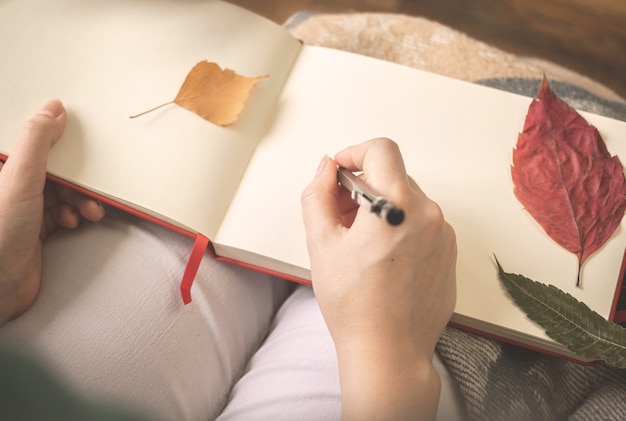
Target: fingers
(25, 170)
(377, 152)
(380, 160)
(62, 215)
(64, 208)
(83, 206)
(23, 176)
(320, 210)
(68, 216)
(326, 207)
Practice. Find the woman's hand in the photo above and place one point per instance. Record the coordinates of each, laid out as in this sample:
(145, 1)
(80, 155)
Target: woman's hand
(31, 209)
(386, 292)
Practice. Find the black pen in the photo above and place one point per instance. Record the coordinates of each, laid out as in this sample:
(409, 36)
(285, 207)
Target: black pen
(365, 197)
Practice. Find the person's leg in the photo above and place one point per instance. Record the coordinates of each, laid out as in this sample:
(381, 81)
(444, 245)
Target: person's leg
(293, 375)
(110, 321)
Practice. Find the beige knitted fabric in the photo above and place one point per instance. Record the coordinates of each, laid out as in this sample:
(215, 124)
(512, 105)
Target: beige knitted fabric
(431, 46)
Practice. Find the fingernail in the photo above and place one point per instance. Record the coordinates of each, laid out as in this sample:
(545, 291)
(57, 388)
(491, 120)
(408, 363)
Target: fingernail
(52, 109)
(322, 164)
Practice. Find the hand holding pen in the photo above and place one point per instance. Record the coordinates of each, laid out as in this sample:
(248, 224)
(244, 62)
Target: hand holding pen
(364, 196)
(386, 292)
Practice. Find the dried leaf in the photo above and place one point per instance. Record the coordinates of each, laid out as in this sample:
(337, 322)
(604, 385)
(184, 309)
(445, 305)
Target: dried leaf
(214, 94)
(567, 320)
(566, 178)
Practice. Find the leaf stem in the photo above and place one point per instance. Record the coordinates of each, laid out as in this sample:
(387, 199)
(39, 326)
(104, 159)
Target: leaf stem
(152, 109)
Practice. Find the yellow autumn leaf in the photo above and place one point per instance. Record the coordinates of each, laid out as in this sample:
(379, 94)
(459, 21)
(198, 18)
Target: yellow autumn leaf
(216, 95)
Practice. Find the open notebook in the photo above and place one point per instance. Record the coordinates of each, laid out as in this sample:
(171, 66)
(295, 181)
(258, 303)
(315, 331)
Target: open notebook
(237, 189)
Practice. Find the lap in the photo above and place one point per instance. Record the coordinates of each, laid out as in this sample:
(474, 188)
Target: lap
(109, 319)
(294, 374)
(110, 322)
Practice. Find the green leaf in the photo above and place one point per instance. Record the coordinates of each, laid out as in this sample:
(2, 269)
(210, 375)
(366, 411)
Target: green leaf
(567, 320)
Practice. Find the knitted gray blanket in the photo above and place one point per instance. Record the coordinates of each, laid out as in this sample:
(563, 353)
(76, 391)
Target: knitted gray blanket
(504, 382)
(498, 381)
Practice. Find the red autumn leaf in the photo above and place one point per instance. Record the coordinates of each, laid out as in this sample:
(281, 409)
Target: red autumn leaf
(565, 177)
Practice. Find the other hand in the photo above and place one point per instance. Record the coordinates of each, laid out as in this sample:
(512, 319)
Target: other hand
(31, 209)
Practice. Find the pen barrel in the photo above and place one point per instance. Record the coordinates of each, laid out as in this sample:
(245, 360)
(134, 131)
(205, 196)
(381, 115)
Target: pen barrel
(363, 196)
(387, 210)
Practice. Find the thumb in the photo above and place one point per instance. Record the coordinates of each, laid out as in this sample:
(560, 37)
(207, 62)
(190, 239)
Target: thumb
(24, 171)
(320, 210)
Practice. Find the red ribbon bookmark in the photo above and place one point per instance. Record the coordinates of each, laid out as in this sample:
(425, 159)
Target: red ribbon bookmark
(199, 247)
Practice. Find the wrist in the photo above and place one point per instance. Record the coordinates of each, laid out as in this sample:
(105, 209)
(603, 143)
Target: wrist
(389, 383)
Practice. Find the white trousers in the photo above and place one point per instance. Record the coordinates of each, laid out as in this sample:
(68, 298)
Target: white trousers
(109, 321)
